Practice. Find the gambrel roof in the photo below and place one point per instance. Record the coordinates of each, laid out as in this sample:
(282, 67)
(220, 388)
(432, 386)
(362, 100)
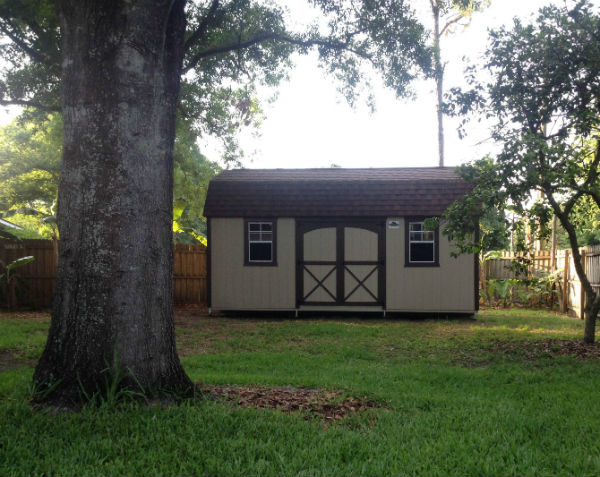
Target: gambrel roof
(382, 192)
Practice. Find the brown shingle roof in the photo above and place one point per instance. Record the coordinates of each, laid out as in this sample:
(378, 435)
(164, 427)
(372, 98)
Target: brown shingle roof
(333, 192)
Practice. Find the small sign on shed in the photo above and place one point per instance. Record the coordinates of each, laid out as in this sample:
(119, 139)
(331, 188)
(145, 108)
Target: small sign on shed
(393, 224)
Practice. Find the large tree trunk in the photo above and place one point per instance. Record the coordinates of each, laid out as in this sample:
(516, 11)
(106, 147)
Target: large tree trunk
(113, 301)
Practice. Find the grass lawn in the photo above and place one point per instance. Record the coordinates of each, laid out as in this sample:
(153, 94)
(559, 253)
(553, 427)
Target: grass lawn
(510, 393)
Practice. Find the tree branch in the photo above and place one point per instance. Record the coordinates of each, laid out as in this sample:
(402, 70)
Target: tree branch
(451, 22)
(34, 54)
(203, 27)
(240, 45)
(31, 104)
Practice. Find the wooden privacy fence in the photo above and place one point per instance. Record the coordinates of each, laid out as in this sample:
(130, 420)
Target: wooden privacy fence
(571, 291)
(189, 273)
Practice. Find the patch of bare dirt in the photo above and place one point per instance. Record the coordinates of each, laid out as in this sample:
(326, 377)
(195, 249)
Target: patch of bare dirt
(330, 405)
(28, 315)
(9, 359)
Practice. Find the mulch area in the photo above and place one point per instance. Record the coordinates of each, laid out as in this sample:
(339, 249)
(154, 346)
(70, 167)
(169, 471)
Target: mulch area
(329, 405)
(533, 350)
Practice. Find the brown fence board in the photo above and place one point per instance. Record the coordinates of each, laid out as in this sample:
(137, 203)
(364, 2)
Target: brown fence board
(189, 272)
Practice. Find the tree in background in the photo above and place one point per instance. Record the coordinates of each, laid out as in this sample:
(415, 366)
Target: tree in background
(119, 66)
(586, 220)
(30, 153)
(545, 97)
(447, 14)
(192, 173)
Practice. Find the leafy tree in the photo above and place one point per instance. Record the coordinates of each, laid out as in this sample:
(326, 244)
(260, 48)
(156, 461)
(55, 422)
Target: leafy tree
(30, 153)
(120, 66)
(446, 15)
(192, 173)
(544, 93)
(493, 228)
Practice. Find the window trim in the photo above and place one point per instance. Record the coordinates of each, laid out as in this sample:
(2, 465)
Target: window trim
(436, 243)
(273, 261)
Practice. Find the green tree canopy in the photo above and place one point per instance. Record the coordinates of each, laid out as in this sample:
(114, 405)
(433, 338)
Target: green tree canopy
(544, 95)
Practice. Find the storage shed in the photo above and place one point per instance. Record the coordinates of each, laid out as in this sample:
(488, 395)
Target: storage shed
(335, 240)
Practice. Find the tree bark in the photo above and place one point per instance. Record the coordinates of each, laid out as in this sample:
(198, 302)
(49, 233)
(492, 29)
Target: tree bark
(113, 304)
(591, 313)
(439, 78)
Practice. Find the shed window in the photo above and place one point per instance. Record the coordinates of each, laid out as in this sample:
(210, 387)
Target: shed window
(260, 242)
(421, 244)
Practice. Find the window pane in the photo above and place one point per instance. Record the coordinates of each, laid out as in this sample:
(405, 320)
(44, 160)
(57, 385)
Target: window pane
(254, 236)
(416, 236)
(266, 226)
(268, 236)
(416, 226)
(428, 235)
(260, 252)
(421, 252)
(254, 226)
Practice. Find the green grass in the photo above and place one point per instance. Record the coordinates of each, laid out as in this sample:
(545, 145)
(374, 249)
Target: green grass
(455, 402)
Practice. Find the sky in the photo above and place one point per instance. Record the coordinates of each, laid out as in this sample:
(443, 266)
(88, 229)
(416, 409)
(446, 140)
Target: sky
(311, 125)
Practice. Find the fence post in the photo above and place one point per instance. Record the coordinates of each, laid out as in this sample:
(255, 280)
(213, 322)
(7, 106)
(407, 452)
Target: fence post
(565, 297)
(582, 290)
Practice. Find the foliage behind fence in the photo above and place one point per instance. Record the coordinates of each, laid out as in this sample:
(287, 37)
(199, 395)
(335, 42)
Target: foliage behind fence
(540, 263)
(189, 277)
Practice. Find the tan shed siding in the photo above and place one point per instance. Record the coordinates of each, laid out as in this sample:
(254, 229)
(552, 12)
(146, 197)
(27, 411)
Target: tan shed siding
(238, 287)
(447, 288)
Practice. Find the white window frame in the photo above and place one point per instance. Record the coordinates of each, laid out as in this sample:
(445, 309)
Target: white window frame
(411, 241)
(260, 232)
